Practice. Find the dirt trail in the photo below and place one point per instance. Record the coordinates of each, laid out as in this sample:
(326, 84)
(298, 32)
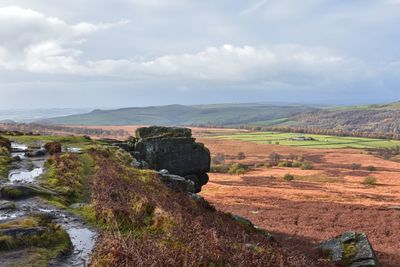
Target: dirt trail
(28, 171)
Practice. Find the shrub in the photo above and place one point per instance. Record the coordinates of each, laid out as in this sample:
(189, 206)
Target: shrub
(296, 164)
(219, 158)
(4, 142)
(220, 168)
(285, 164)
(274, 158)
(307, 166)
(371, 168)
(241, 156)
(4, 151)
(288, 177)
(268, 165)
(276, 143)
(369, 180)
(355, 166)
(238, 168)
(53, 148)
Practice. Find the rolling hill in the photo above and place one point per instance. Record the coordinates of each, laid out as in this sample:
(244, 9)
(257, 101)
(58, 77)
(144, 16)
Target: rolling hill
(365, 121)
(379, 120)
(221, 115)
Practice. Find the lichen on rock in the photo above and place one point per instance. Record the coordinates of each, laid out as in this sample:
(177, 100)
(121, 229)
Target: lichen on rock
(351, 249)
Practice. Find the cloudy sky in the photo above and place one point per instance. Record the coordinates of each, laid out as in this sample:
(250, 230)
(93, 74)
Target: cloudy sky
(98, 53)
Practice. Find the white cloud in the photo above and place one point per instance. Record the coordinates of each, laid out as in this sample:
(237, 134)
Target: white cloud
(253, 8)
(155, 3)
(32, 41)
(285, 64)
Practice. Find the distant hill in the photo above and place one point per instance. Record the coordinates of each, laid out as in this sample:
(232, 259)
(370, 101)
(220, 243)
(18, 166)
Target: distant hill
(380, 120)
(220, 115)
(367, 121)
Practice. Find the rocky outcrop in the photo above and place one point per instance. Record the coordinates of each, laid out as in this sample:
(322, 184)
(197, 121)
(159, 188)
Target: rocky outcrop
(172, 149)
(351, 249)
(53, 148)
(22, 191)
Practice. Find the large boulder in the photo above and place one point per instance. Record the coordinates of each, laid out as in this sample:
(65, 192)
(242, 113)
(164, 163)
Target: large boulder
(351, 249)
(162, 132)
(175, 150)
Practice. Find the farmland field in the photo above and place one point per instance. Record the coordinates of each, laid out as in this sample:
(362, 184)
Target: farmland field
(318, 141)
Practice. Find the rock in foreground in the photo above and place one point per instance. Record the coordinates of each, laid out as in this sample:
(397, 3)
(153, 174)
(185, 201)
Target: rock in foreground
(22, 191)
(173, 149)
(351, 249)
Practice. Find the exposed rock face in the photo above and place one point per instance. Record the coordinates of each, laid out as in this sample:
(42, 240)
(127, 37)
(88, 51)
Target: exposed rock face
(53, 148)
(22, 191)
(175, 150)
(351, 249)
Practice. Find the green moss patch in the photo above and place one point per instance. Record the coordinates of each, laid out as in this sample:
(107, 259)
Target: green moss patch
(69, 174)
(39, 238)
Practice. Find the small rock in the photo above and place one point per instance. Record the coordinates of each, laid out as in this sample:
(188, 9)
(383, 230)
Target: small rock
(36, 153)
(7, 205)
(178, 183)
(22, 232)
(364, 255)
(243, 221)
(17, 158)
(135, 163)
(163, 172)
(77, 205)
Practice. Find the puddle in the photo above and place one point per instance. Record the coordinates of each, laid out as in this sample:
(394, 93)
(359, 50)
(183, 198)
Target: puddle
(83, 241)
(18, 150)
(73, 149)
(83, 238)
(4, 215)
(19, 147)
(25, 176)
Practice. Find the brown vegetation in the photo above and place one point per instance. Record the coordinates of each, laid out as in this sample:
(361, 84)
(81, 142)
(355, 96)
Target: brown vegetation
(146, 224)
(319, 203)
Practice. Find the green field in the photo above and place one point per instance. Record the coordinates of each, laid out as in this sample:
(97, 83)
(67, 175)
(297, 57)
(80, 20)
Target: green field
(321, 141)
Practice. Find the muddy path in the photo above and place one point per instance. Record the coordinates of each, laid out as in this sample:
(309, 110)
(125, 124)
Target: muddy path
(26, 171)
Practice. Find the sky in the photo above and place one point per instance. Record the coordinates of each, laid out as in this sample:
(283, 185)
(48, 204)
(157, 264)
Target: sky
(98, 53)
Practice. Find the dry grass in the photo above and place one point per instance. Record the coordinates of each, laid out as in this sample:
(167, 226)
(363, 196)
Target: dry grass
(146, 224)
